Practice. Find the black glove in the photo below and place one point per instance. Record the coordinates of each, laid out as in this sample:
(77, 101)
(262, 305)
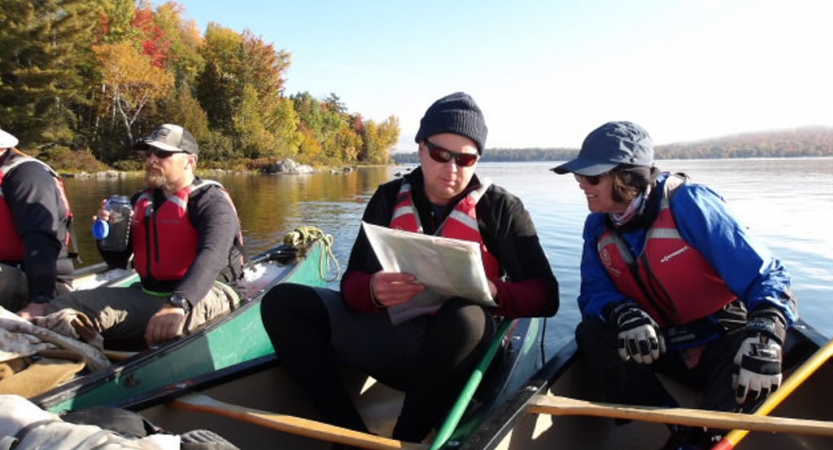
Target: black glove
(759, 356)
(639, 336)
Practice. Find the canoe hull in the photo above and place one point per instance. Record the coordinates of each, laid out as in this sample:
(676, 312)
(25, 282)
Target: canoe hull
(267, 386)
(567, 375)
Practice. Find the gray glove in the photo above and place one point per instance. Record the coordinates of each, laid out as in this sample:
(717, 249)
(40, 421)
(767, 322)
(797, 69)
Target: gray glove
(639, 336)
(759, 356)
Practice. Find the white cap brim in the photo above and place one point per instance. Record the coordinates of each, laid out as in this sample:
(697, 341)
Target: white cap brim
(7, 140)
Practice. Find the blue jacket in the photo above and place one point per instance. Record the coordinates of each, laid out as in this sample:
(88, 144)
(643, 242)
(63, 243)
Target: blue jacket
(706, 223)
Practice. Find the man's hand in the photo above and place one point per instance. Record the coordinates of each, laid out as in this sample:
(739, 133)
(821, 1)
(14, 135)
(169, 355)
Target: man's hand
(393, 288)
(639, 336)
(759, 356)
(165, 325)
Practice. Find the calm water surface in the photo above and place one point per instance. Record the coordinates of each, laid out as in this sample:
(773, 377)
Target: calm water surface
(787, 202)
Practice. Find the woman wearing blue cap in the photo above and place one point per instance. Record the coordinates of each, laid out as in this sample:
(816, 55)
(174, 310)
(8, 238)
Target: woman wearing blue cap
(430, 355)
(672, 282)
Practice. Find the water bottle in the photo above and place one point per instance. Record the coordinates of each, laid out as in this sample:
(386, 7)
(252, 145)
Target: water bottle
(114, 234)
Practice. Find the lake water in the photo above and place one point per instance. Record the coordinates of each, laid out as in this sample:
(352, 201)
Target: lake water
(787, 202)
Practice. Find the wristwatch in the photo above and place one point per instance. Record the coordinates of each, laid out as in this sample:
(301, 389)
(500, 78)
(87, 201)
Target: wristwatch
(180, 302)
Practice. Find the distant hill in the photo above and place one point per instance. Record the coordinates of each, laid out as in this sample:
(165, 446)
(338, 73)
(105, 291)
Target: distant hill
(799, 142)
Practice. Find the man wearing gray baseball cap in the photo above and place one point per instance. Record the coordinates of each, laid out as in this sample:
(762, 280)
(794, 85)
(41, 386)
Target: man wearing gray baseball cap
(673, 283)
(186, 246)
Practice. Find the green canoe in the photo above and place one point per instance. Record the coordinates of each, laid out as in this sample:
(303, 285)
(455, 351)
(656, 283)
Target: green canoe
(232, 340)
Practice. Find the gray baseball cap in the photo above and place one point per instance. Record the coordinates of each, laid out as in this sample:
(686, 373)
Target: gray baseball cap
(170, 138)
(608, 146)
(7, 140)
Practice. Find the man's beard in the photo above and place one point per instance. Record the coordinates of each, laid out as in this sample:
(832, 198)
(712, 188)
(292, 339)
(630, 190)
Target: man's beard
(156, 180)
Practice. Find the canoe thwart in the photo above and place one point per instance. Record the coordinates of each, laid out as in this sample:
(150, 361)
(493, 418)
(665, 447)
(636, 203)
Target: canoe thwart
(291, 424)
(565, 406)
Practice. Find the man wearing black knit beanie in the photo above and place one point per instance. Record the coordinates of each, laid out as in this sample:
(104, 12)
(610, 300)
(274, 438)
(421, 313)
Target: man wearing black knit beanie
(377, 322)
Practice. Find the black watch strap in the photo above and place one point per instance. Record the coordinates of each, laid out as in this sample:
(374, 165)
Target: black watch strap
(180, 302)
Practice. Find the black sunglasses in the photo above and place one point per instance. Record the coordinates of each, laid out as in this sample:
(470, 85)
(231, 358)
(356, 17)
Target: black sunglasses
(444, 155)
(161, 154)
(592, 180)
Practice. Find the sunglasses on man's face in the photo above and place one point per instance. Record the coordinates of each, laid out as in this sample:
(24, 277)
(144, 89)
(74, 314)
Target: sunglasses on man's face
(592, 180)
(444, 155)
(161, 154)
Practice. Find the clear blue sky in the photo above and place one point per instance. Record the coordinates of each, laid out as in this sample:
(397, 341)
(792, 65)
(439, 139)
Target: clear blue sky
(546, 73)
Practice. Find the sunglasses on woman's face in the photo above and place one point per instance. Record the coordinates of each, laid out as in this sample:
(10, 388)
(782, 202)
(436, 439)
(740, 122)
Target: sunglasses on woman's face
(444, 155)
(592, 180)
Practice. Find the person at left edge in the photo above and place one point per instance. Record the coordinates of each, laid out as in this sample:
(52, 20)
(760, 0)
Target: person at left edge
(186, 246)
(431, 355)
(35, 225)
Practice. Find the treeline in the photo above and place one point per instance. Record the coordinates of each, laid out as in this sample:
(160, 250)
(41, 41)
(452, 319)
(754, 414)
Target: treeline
(80, 80)
(800, 142)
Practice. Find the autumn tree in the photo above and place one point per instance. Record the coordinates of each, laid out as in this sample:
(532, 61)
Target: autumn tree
(42, 47)
(379, 139)
(130, 82)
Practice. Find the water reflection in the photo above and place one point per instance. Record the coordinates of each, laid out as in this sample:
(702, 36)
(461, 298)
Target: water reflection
(268, 206)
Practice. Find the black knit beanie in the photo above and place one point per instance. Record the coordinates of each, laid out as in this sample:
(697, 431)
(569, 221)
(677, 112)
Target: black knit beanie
(456, 113)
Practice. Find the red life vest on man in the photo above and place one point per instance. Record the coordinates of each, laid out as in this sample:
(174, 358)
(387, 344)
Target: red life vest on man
(11, 244)
(461, 223)
(164, 240)
(671, 280)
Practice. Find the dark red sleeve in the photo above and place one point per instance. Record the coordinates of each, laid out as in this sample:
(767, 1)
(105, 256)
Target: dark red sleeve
(355, 290)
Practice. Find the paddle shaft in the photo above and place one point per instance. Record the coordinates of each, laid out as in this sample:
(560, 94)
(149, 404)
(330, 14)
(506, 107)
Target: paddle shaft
(291, 424)
(450, 424)
(550, 404)
(792, 383)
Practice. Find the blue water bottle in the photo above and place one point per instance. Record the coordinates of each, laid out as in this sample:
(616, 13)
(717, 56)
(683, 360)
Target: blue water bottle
(114, 234)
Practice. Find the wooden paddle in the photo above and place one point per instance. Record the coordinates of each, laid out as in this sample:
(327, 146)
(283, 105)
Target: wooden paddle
(794, 381)
(291, 424)
(550, 404)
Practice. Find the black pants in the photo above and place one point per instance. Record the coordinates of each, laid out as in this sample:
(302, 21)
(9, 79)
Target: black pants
(631, 383)
(445, 349)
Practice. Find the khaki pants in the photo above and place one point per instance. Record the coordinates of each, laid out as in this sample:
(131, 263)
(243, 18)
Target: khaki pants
(14, 292)
(122, 314)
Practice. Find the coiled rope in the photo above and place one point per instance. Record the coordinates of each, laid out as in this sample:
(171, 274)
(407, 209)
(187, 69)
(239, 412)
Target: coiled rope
(304, 236)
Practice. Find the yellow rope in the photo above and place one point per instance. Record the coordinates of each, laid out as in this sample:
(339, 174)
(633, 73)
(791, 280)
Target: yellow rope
(303, 236)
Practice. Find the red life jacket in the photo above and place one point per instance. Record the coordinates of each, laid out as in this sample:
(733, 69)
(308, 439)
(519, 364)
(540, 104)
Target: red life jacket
(11, 245)
(164, 240)
(671, 280)
(461, 223)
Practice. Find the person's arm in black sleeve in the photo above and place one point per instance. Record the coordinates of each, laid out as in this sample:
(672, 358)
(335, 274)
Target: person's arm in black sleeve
(215, 219)
(36, 207)
(531, 288)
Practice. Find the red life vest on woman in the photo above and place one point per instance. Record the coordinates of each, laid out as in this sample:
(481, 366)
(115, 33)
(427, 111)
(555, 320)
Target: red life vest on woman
(164, 240)
(11, 243)
(461, 223)
(671, 280)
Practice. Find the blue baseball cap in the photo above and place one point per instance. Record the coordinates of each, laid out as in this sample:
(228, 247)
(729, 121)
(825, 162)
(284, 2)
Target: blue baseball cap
(608, 146)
